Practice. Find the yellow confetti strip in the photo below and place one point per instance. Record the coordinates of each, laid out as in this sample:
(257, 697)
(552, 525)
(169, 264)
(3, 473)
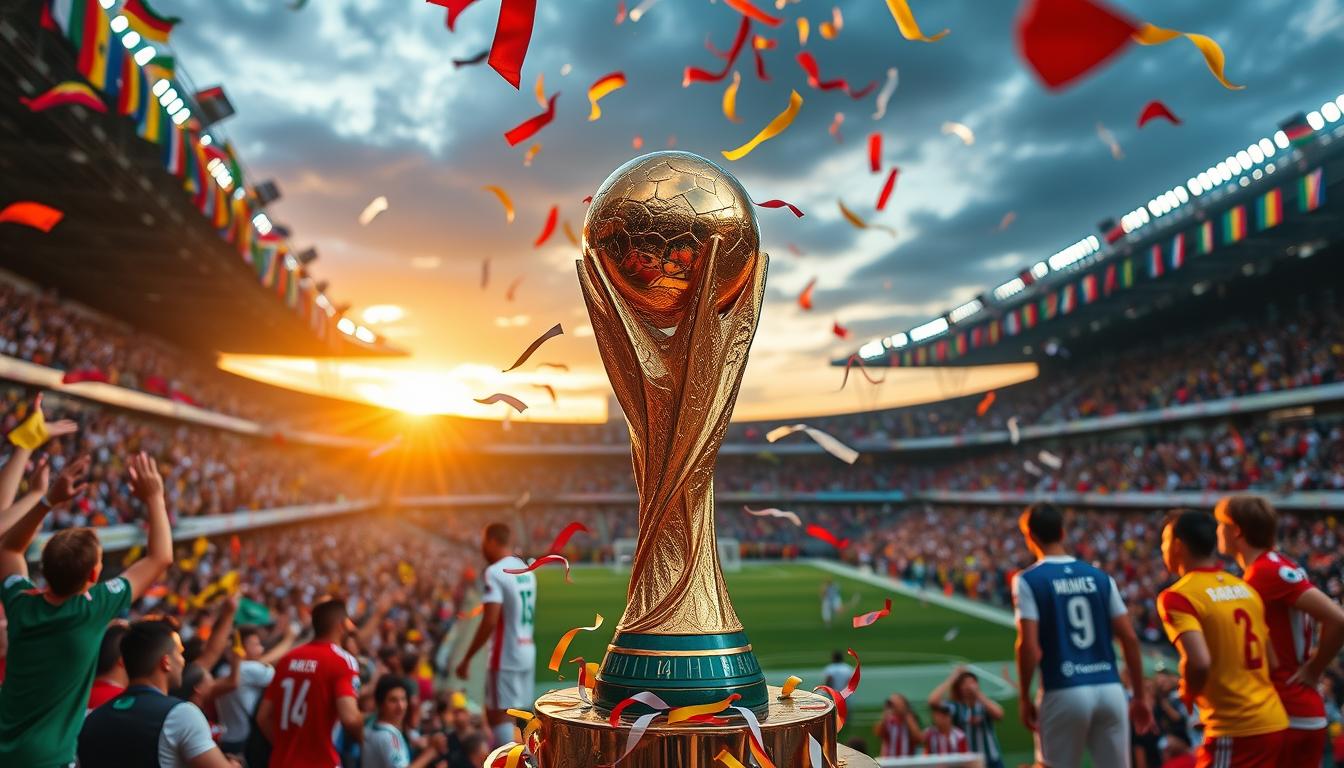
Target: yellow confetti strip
(730, 99)
(503, 200)
(789, 686)
(782, 121)
(531, 153)
(859, 223)
(569, 233)
(511, 753)
(803, 29)
(905, 20)
(726, 759)
(685, 713)
(1212, 52)
(541, 89)
(829, 29)
(605, 85)
(521, 714)
(565, 640)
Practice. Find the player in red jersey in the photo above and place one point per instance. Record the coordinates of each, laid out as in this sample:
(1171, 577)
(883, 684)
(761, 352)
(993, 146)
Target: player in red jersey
(1247, 530)
(899, 729)
(315, 686)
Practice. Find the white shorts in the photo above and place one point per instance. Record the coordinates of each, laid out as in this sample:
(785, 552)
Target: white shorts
(510, 689)
(1095, 717)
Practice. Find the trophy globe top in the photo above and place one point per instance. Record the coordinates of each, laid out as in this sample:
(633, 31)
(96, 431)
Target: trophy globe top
(651, 225)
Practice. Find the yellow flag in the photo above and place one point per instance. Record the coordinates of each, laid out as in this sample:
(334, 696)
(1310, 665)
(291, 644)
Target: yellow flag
(199, 547)
(132, 555)
(406, 572)
(238, 643)
(31, 432)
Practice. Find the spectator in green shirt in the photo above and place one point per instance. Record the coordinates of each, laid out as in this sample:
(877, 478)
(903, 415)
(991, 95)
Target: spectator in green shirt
(55, 633)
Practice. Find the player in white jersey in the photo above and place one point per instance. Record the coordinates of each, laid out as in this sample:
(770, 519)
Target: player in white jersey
(508, 615)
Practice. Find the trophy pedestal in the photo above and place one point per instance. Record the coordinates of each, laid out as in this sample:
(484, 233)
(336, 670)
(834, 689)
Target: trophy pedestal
(577, 735)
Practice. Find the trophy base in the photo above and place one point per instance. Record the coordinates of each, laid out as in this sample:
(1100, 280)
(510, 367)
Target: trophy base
(683, 670)
(577, 735)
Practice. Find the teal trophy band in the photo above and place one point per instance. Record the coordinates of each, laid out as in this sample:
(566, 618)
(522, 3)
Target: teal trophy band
(683, 670)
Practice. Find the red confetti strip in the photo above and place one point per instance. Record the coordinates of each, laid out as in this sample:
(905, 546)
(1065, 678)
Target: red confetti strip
(887, 188)
(870, 618)
(817, 532)
(588, 200)
(36, 215)
(513, 289)
(541, 561)
(839, 330)
(1063, 40)
(761, 74)
(697, 75)
(512, 36)
(477, 59)
(750, 11)
(637, 142)
(863, 369)
(620, 13)
(853, 684)
(564, 536)
(555, 330)
(875, 151)
(528, 128)
(455, 7)
(651, 700)
(794, 249)
(548, 228)
(809, 64)
(781, 204)
(835, 127)
(1156, 109)
(984, 405)
(500, 397)
(841, 706)
(805, 298)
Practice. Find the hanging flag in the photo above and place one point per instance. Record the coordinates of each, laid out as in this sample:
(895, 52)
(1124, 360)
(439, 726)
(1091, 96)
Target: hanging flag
(162, 67)
(1068, 299)
(1269, 209)
(1297, 129)
(1127, 274)
(1089, 286)
(1178, 251)
(151, 25)
(1030, 316)
(102, 66)
(1234, 224)
(995, 331)
(1012, 322)
(1156, 265)
(1311, 191)
(1204, 238)
(63, 94)
(1108, 284)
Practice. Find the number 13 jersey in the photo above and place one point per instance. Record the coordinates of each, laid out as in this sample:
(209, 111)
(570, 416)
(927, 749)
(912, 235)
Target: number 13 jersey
(1238, 699)
(1073, 603)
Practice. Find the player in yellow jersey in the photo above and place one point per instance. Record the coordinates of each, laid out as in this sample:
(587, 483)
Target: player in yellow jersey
(1217, 622)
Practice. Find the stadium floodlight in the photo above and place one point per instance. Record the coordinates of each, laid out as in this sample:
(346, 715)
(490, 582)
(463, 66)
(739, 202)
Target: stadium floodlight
(896, 340)
(119, 23)
(1073, 254)
(1330, 112)
(145, 55)
(1267, 146)
(1244, 158)
(365, 335)
(131, 39)
(1257, 174)
(969, 309)
(1315, 120)
(168, 96)
(872, 350)
(1257, 154)
(176, 104)
(345, 325)
(1280, 139)
(262, 222)
(1041, 269)
(160, 87)
(930, 329)
(206, 140)
(1152, 207)
(239, 193)
(1182, 195)
(1009, 289)
(107, 4)
(181, 117)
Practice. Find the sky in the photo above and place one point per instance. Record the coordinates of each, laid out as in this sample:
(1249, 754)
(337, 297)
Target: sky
(342, 101)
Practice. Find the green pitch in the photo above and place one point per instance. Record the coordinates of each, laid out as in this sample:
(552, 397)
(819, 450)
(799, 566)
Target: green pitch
(780, 606)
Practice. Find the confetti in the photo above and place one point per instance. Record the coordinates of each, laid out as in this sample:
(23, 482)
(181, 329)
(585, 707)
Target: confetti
(637, 142)
(529, 127)
(884, 96)
(500, 397)
(1014, 435)
(782, 121)
(794, 249)
(829, 29)
(1032, 468)
(513, 289)
(839, 330)
(1208, 48)
(540, 90)
(638, 11)
(30, 214)
(730, 99)
(522, 500)
(773, 512)
(814, 754)
(697, 75)
(620, 12)
(555, 330)
(786, 690)
(858, 222)
(863, 370)
(870, 618)
(984, 405)
(759, 44)
(905, 21)
(566, 639)
(1109, 138)
(600, 88)
(805, 298)
(62, 94)
(455, 7)
(569, 234)
(1050, 460)
(485, 272)
(548, 228)
(834, 130)
(588, 199)
(809, 65)
(371, 211)
(1156, 109)
(750, 11)
(951, 634)
(679, 714)
(506, 756)
(565, 69)
(504, 200)
(726, 759)
(803, 29)
(1007, 220)
(841, 706)
(556, 366)
(961, 131)
(887, 189)
(795, 210)
(827, 441)
(513, 34)
(470, 61)
(875, 151)
(531, 153)
(544, 560)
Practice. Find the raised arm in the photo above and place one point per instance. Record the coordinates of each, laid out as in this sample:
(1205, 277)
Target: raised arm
(940, 693)
(221, 635)
(15, 541)
(147, 485)
(13, 469)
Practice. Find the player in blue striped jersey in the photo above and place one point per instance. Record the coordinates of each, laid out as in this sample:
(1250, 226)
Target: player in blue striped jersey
(1069, 614)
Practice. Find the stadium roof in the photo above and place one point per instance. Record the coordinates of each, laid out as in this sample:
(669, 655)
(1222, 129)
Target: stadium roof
(1267, 202)
(131, 242)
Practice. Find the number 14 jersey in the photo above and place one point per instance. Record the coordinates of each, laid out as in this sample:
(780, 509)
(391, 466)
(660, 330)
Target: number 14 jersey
(1073, 603)
(303, 694)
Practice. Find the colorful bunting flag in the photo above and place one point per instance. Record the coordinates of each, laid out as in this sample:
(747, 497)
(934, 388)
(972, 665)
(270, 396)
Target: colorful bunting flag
(1311, 191)
(1156, 265)
(1089, 287)
(1127, 274)
(1068, 299)
(1205, 238)
(1234, 224)
(1109, 283)
(1269, 209)
(1178, 251)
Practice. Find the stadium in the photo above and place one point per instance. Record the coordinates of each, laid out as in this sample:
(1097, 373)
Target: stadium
(255, 453)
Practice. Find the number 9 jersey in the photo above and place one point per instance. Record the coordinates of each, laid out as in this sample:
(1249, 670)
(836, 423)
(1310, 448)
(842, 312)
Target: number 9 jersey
(1074, 603)
(1238, 699)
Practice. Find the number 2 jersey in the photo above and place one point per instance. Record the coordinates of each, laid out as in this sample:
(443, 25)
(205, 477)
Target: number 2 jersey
(1073, 603)
(1281, 583)
(303, 694)
(1238, 699)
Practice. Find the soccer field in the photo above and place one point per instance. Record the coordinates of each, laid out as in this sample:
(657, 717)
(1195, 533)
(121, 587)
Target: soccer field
(779, 605)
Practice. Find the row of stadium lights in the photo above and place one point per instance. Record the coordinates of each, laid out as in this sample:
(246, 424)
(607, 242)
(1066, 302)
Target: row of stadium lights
(179, 112)
(1232, 167)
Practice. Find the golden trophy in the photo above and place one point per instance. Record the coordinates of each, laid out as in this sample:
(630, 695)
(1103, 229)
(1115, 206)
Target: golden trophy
(673, 278)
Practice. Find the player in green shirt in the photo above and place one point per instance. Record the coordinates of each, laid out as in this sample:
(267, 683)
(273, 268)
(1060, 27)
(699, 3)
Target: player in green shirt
(55, 633)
